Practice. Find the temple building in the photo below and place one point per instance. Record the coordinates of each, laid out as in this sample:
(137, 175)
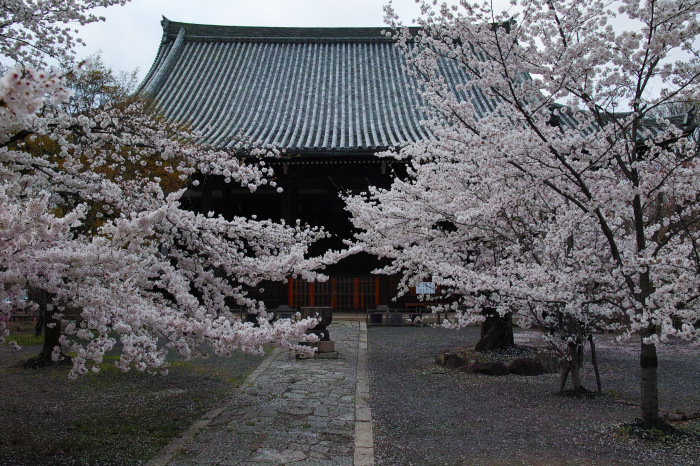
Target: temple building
(330, 99)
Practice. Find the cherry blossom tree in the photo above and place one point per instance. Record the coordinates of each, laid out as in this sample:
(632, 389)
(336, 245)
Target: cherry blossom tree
(34, 31)
(89, 225)
(550, 188)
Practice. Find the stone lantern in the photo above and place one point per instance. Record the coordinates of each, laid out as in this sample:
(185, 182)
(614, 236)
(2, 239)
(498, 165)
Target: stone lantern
(325, 347)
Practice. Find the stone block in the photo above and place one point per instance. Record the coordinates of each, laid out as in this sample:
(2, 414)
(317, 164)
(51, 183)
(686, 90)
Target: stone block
(325, 346)
(363, 414)
(324, 350)
(363, 435)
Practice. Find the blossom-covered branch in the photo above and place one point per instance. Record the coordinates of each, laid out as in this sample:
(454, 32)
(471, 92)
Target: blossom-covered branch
(551, 187)
(92, 226)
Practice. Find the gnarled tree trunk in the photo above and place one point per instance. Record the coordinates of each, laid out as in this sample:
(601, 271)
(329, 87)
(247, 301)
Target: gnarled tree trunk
(47, 324)
(496, 331)
(572, 366)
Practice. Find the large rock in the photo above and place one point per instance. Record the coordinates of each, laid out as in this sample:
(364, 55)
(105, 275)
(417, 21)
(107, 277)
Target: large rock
(453, 361)
(489, 368)
(450, 360)
(551, 363)
(526, 366)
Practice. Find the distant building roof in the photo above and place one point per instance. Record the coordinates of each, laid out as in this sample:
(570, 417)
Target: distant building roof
(304, 89)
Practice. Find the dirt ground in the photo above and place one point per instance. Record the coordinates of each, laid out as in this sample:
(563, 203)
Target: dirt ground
(105, 418)
(427, 414)
(422, 413)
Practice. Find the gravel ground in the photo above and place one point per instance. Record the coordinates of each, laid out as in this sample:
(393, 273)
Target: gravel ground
(425, 414)
(105, 418)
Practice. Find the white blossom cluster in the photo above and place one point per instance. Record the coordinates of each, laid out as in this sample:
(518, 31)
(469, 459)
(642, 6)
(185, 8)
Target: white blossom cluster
(570, 198)
(33, 31)
(84, 217)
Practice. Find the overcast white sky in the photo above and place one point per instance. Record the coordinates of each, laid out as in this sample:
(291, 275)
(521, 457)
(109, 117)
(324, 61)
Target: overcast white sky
(130, 36)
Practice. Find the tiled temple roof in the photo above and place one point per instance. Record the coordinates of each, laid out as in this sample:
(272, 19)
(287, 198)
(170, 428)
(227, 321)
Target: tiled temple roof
(304, 89)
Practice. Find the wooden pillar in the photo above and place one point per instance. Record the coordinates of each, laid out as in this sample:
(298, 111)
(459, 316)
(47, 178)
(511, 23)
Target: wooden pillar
(312, 294)
(356, 293)
(376, 291)
(383, 289)
(334, 293)
(283, 293)
(290, 292)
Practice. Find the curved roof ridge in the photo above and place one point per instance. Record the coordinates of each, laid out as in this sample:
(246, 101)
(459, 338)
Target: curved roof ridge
(156, 76)
(267, 33)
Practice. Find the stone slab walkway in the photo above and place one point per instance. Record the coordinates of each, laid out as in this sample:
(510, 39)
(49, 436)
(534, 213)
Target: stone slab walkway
(290, 411)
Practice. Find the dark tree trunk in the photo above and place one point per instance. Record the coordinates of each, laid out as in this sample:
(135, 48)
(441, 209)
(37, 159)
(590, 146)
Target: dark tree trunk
(572, 366)
(649, 364)
(647, 356)
(576, 355)
(594, 361)
(496, 331)
(47, 324)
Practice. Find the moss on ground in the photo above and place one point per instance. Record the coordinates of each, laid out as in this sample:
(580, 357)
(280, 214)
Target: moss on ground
(682, 438)
(109, 417)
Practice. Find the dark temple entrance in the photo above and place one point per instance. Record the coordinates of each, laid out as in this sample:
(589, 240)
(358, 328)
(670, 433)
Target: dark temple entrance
(311, 193)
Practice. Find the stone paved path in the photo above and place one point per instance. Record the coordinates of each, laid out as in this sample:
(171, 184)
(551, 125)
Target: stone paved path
(290, 411)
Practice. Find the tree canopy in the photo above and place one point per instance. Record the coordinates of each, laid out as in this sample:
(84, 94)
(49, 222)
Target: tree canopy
(572, 198)
(91, 221)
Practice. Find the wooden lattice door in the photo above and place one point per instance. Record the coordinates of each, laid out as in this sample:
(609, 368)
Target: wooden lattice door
(343, 293)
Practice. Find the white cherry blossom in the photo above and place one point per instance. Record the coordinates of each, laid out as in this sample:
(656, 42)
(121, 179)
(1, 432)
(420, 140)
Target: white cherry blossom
(568, 199)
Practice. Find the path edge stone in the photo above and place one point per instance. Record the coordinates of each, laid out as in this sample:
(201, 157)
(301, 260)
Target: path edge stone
(364, 441)
(168, 453)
